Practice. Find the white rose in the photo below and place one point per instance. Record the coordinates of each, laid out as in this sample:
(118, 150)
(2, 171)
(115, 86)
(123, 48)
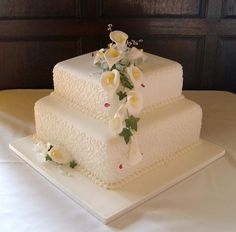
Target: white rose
(60, 155)
(134, 155)
(135, 74)
(112, 56)
(110, 80)
(120, 38)
(134, 103)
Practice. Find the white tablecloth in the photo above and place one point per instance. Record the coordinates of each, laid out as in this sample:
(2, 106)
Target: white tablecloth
(204, 202)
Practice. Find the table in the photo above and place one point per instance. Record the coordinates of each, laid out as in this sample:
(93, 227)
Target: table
(203, 202)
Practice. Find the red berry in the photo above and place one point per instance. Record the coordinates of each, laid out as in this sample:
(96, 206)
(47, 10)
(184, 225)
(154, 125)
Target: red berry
(143, 85)
(106, 104)
(120, 166)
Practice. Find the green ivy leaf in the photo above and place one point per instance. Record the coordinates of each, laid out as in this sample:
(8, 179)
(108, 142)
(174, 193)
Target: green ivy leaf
(121, 95)
(48, 158)
(126, 133)
(73, 164)
(126, 82)
(132, 122)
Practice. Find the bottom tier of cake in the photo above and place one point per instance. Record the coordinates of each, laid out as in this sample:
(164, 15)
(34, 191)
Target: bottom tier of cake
(163, 134)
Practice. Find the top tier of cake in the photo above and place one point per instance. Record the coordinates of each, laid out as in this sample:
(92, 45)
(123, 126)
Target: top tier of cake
(77, 81)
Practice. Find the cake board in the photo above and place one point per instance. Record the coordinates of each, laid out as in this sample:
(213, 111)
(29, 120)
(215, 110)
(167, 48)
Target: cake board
(111, 204)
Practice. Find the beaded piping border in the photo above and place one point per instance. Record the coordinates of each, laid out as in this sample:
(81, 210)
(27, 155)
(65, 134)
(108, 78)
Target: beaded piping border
(157, 164)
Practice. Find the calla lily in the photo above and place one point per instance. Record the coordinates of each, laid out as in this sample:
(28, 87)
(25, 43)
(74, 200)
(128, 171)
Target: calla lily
(135, 74)
(120, 38)
(136, 56)
(122, 111)
(60, 155)
(112, 56)
(116, 124)
(134, 103)
(134, 155)
(110, 80)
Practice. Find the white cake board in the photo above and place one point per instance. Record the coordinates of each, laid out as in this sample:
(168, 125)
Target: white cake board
(110, 204)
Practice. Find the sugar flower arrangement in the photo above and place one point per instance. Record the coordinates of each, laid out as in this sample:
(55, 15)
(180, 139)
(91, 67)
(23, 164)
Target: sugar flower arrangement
(57, 154)
(122, 78)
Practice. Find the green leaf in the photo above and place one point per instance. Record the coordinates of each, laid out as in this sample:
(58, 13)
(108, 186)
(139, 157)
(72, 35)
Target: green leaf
(126, 82)
(126, 133)
(132, 122)
(48, 158)
(121, 95)
(73, 164)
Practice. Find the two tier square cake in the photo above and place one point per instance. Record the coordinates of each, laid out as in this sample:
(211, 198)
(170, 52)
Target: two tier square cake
(117, 113)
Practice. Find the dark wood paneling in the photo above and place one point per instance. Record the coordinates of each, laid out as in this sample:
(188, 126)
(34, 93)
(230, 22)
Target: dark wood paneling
(11, 29)
(41, 28)
(183, 30)
(226, 65)
(229, 8)
(90, 44)
(29, 64)
(36, 8)
(90, 8)
(122, 8)
(186, 50)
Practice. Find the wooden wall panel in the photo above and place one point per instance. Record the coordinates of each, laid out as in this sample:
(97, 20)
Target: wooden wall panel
(187, 51)
(41, 33)
(151, 8)
(90, 44)
(89, 8)
(229, 8)
(36, 8)
(29, 64)
(226, 68)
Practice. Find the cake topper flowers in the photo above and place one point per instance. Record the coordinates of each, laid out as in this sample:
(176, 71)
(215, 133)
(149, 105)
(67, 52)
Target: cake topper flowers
(110, 81)
(122, 79)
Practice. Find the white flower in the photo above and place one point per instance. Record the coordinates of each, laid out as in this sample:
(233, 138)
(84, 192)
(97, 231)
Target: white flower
(110, 80)
(122, 111)
(134, 103)
(60, 155)
(136, 56)
(99, 56)
(116, 124)
(40, 147)
(120, 38)
(134, 155)
(135, 74)
(112, 56)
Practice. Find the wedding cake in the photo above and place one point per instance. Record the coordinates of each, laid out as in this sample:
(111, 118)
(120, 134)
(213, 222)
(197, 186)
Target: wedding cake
(116, 113)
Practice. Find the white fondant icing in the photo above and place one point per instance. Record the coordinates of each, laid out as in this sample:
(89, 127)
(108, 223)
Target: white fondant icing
(77, 80)
(162, 132)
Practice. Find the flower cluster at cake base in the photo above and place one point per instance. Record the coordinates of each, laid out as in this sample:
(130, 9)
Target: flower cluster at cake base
(54, 153)
(123, 79)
